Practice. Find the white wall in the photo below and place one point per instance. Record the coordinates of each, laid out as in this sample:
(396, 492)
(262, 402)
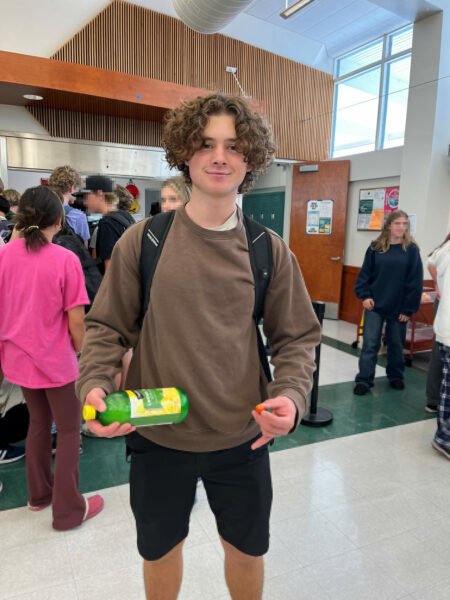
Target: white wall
(357, 242)
(422, 166)
(17, 119)
(425, 177)
(381, 168)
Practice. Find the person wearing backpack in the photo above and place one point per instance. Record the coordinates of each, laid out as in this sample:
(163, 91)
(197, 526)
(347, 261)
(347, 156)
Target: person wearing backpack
(65, 181)
(100, 198)
(196, 328)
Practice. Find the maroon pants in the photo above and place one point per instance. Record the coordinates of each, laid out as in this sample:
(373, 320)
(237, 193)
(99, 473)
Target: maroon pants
(61, 406)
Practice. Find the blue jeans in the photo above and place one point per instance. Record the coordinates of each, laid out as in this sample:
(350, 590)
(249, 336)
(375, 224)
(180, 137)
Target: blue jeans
(442, 435)
(395, 335)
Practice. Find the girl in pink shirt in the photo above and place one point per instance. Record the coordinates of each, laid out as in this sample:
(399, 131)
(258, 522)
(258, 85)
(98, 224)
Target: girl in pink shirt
(38, 346)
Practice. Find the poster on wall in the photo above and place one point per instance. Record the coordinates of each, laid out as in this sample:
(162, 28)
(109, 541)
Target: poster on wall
(391, 199)
(374, 205)
(319, 217)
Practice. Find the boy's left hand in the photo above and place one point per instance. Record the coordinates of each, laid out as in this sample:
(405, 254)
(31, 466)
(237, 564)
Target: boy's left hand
(278, 422)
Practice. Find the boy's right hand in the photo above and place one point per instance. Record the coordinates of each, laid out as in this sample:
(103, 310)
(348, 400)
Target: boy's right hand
(95, 399)
(368, 303)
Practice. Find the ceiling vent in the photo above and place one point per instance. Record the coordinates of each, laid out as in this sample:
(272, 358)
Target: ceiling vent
(208, 16)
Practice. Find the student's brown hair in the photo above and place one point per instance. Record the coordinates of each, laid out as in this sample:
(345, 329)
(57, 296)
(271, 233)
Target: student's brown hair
(63, 178)
(125, 198)
(39, 208)
(382, 242)
(179, 186)
(12, 196)
(184, 126)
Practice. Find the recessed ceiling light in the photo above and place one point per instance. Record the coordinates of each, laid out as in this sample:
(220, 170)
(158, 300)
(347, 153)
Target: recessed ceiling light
(32, 97)
(294, 8)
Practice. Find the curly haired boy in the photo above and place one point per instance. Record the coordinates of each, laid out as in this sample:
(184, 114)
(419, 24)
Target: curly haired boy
(198, 334)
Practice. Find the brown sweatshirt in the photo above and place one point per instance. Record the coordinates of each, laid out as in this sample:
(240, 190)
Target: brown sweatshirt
(198, 333)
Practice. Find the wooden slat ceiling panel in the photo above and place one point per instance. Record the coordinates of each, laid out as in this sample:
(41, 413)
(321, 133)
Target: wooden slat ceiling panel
(134, 40)
(88, 126)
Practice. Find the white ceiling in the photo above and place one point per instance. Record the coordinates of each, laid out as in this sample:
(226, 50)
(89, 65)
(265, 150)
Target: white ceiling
(314, 36)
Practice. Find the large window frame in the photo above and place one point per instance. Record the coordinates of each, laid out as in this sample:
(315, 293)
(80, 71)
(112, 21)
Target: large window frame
(383, 63)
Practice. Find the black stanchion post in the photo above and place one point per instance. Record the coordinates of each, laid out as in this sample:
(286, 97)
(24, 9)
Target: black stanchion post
(317, 417)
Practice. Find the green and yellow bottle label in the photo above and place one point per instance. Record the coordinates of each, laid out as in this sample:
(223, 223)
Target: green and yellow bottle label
(152, 403)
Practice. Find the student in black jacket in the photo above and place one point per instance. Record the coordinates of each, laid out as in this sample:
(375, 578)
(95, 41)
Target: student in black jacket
(102, 199)
(390, 286)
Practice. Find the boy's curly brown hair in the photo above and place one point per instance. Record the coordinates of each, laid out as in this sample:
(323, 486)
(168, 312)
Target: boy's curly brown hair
(63, 178)
(184, 126)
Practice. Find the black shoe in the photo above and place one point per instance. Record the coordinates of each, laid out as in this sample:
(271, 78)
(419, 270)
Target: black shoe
(9, 454)
(431, 409)
(397, 384)
(441, 449)
(360, 389)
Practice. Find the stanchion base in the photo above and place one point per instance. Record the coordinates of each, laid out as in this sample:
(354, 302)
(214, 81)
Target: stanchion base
(320, 418)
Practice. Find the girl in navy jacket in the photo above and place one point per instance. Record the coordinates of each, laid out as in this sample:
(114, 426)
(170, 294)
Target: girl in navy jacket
(390, 286)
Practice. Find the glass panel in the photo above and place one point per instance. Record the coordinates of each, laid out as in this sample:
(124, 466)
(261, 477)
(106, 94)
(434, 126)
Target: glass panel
(397, 84)
(400, 41)
(356, 112)
(359, 58)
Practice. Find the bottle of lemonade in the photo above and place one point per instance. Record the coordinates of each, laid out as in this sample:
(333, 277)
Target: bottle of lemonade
(159, 406)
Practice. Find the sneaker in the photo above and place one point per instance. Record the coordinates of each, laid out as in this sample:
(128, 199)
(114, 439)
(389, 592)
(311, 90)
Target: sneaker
(9, 454)
(94, 505)
(360, 389)
(54, 440)
(37, 508)
(87, 432)
(441, 449)
(431, 409)
(397, 384)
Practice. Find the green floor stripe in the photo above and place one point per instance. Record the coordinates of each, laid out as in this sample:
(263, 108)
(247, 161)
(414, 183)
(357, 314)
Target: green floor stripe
(103, 464)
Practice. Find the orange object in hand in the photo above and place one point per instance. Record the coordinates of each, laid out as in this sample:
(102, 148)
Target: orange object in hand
(259, 408)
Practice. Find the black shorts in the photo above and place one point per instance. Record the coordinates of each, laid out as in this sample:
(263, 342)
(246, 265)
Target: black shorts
(163, 486)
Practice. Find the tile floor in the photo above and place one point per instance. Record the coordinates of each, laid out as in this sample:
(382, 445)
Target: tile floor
(355, 517)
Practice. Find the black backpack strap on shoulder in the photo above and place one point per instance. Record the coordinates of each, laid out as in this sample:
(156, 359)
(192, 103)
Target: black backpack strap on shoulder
(119, 218)
(153, 238)
(261, 261)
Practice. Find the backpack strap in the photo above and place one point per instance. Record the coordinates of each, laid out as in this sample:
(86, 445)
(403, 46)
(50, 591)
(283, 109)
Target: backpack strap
(153, 238)
(119, 218)
(67, 208)
(261, 262)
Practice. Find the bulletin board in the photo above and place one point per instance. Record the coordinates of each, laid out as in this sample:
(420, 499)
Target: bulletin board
(374, 205)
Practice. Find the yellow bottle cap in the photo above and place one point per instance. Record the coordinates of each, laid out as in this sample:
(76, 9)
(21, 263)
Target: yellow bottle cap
(89, 412)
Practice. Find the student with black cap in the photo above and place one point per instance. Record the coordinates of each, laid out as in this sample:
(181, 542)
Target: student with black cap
(102, 199)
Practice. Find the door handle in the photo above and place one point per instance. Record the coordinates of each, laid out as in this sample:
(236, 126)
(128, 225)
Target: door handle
(335, 258)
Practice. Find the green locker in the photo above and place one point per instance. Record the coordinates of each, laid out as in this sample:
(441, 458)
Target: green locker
(266, 208)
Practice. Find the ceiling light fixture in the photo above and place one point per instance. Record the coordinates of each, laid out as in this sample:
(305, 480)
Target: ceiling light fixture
(32, 97)
(291, 10)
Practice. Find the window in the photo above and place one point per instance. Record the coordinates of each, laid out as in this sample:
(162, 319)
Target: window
(371, 95)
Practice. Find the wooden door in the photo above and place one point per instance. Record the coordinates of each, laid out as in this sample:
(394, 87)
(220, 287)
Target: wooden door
(320, 255)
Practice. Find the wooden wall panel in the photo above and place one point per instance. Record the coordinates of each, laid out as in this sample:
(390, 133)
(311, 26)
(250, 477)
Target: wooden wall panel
(95, 127)
(131, 39)
(348, 307)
